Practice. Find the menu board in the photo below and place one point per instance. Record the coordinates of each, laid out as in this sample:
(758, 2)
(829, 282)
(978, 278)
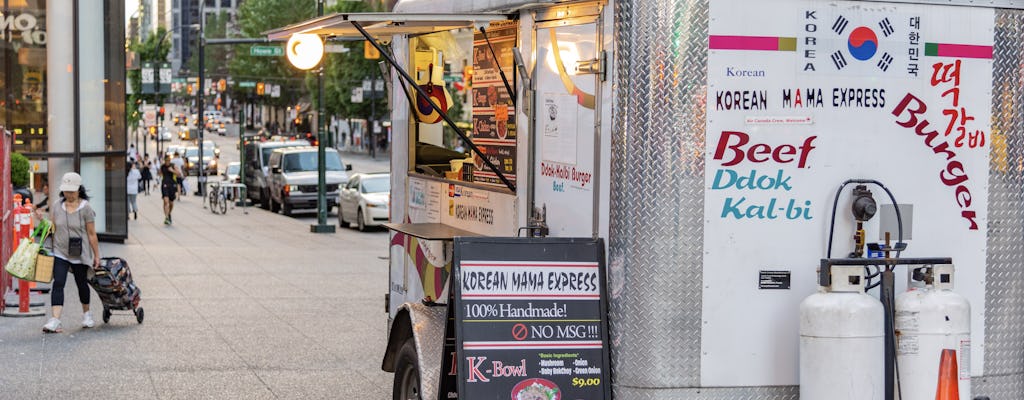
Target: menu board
(494, 122)
(531, 319)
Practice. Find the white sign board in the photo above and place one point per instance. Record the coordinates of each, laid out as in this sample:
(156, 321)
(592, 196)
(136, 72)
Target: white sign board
(149, 117)
(802, 96)
(357, 95)
(275, 91)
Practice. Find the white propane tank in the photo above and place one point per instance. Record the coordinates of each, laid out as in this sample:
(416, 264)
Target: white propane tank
(842, 347)
(927, 321)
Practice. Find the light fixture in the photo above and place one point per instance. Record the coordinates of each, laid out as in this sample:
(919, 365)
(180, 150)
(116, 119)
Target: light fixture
(304, 50)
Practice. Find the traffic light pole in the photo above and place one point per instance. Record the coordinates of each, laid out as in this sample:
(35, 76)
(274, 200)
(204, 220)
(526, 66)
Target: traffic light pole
(201, 178)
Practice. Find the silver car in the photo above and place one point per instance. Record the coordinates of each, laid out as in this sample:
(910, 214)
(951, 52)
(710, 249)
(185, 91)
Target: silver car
(364, 200)
(293, 178)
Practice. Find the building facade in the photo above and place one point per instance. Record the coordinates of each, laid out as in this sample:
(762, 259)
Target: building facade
(64, 97)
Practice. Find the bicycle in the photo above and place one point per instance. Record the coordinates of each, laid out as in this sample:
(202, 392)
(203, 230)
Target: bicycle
(217, 199)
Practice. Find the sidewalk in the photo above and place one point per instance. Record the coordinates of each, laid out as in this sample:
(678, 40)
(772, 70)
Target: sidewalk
(236, 306)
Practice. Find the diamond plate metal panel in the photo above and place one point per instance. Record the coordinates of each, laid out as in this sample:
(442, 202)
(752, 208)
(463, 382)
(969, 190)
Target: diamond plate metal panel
(657, 194)
(999, 387)
(428, 332)
(760, 393)
(1004, 300)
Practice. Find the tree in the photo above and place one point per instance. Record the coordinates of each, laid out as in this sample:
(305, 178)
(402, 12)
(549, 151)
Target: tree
(344, 71)
(256, 17)
(19, 170)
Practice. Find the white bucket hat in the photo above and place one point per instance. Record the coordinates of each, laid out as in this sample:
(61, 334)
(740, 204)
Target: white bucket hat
(70, 182)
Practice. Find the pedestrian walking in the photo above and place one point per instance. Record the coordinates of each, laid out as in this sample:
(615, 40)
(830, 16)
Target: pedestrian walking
(179, 162)
(147, 175)
(133, 155)
(134, 176)
(75, 248)
(169, 175)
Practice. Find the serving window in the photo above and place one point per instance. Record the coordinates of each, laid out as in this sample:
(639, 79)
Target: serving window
(459, 71)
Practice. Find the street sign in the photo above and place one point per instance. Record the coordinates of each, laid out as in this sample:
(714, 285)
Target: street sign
(357, 95)
(370, 52)
(275, 91)
(148, 78)
(266, 51)
(247, 84)
(367, 85)
(335, 48)
(378, 85)
(165, 78)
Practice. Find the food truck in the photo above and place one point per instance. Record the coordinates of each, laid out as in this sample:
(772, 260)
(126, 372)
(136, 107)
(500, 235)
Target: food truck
(714, 149)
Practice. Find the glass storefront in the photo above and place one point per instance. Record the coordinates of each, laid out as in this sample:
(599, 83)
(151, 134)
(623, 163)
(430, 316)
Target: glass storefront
(79, 123)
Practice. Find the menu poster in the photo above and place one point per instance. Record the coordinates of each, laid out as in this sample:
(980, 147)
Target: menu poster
(531, 319)
(494, 127)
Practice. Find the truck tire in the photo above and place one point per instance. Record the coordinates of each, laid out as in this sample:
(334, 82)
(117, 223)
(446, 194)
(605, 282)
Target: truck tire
(264, 200)
(286, 209)
(407, 373)
(274, 206)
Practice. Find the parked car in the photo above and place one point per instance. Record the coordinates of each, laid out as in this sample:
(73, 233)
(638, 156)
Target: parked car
(256, 170)
(293, 178)
(364, 199)
(231, 173)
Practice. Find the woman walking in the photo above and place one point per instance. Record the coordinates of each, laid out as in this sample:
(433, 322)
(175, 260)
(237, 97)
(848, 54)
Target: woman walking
(147, 175)
(75, 248)
(134, 176)
(169, 175)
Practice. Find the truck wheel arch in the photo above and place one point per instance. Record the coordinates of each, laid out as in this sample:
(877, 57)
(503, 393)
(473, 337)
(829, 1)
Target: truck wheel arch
(401, 330)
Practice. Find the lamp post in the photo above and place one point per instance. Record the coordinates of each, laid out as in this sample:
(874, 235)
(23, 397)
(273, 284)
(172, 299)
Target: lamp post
(200, 117)
(306, 51)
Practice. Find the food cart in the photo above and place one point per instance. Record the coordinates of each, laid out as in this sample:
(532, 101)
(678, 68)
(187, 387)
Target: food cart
(703, 141)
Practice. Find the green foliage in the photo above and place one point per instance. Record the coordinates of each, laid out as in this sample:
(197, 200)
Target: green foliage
(254, 18)
(19, 170)
(344, 71)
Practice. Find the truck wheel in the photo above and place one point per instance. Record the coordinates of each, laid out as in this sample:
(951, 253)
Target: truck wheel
(274, 206)
(286, 209)
(407, 373)
(264, 200)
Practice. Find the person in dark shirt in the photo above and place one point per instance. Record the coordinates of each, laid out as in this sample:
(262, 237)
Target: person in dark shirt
(169, 175)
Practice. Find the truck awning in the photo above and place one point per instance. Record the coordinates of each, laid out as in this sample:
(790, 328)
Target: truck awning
(382, 25)
(378, 27)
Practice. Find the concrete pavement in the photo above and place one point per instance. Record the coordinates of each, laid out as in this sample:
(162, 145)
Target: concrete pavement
(236, 306)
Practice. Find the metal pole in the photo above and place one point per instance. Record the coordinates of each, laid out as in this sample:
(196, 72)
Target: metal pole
(888, 298)
(321, 162)
(243, 197)
(373, 123)
(201, 178)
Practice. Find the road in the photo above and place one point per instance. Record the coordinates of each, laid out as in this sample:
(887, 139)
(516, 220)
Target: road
(229, 153)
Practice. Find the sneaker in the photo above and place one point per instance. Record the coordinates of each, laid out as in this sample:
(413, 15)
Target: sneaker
(135, 214)
(52, 326)
(87, 321)
(167, 220)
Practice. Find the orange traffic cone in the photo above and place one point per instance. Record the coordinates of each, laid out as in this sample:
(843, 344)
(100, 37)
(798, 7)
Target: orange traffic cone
(949, 388)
